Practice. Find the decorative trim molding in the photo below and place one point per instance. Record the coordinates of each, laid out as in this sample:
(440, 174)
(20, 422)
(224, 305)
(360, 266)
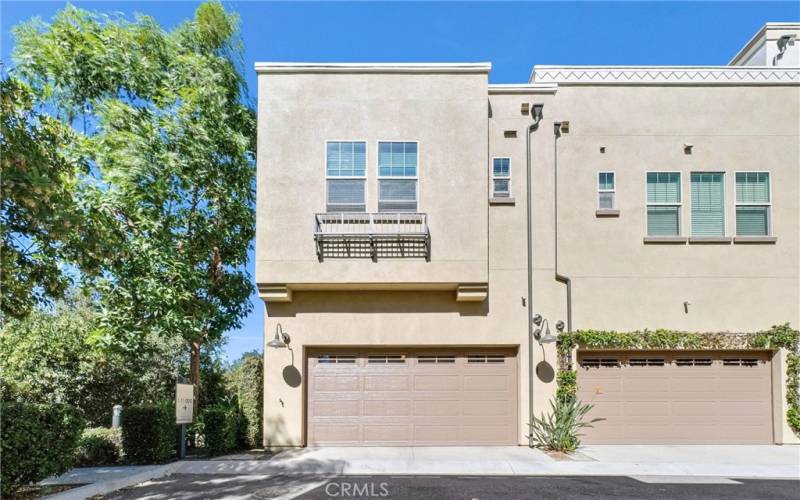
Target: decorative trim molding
(275, 293)
(665, 75)
(311, 67)
(472, 293)
(522, 88)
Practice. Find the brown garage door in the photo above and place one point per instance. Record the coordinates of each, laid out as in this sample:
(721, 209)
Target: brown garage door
(412, 397)
(690, 397)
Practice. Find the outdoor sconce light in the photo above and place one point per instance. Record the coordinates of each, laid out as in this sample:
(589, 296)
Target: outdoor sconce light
(542, 334)
(281, 339)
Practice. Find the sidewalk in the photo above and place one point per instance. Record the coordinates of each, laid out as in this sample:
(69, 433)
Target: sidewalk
(775, 462)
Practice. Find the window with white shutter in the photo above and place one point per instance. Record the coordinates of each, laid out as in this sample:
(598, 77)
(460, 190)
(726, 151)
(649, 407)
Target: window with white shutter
(346, 176)
(708, 204)
(501, 177)
(663, 203)
(753, 204)
(397, 176)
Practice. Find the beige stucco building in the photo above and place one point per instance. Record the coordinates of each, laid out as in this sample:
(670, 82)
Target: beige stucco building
(397, 249)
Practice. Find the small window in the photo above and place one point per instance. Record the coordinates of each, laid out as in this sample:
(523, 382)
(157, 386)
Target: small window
(740, 362)
(606, 189)
(386, 359)
(431, 359)
(397, 176)
(330, 359)
(486, 358)
(693, 362)
(345, 171)
(663, 204)
(646, 362)
(501, 178)
(598, 362)
(708, 204)
(753, 204)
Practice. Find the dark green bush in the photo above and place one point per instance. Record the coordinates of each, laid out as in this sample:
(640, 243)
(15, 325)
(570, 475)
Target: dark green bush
(148, 433)
(99, 446)
(246, 380)
(37, 441)
(221, 429)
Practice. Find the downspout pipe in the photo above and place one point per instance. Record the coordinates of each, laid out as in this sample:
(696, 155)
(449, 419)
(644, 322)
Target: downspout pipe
(561, 278)
(536, 114)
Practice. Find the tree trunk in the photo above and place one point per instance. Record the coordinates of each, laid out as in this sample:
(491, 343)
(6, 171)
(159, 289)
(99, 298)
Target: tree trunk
(194, 368)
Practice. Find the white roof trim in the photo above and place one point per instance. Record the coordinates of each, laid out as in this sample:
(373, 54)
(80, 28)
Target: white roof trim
(665, 75)
(310, 67)
(761, 33)
(522, 88)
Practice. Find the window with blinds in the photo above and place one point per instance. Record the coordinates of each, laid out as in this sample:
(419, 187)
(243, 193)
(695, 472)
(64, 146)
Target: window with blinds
(663, 204)
(501, 177)
(397, 176)
(346, 172)
(753, 204)
(605, 190)
(708, 204)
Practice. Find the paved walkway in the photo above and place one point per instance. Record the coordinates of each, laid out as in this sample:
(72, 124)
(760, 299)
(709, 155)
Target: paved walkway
(720, 461)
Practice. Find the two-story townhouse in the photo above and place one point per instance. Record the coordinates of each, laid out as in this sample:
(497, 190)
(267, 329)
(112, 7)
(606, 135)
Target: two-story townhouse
(416, 225)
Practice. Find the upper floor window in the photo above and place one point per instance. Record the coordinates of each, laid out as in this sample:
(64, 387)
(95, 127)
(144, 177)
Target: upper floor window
(346, 176)
(663, 204)
(753, 203)
(606, 188)
(501, 178)
(397, 176)
(708, 204)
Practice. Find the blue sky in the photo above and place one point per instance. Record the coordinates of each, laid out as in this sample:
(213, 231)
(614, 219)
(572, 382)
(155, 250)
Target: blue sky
(512, 36)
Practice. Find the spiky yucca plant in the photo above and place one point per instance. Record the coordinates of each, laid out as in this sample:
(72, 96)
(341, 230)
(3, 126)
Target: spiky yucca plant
(560, 429)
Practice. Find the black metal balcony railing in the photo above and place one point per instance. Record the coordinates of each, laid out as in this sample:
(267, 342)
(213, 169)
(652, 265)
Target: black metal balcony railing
(372, 235)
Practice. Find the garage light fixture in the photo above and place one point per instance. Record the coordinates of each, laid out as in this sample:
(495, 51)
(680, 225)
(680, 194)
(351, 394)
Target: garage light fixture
(542, 333)
(281, 339)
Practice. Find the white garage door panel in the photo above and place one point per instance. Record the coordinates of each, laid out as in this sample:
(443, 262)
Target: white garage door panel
(404, 397)
(689, 397)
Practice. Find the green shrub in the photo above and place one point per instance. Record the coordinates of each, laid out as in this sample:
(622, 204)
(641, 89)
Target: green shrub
(567, 384)
(99, 446)
(37, 441)
(560, 430)
(221, 426)
(246, 380)
(148, 433)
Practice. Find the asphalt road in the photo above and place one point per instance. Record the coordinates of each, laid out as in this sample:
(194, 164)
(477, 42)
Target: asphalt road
(220, 486)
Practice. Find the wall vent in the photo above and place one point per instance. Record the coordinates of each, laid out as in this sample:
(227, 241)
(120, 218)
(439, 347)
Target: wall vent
(510, 134)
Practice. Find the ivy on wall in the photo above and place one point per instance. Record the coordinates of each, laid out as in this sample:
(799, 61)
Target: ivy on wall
(776, 337)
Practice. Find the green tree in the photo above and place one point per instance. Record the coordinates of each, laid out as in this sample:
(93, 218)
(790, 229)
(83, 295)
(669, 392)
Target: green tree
(42, 223)
(245, 379)
(48, 357)
(162, 122)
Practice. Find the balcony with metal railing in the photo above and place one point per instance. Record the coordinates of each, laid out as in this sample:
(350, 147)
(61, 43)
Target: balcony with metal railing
(352, 235)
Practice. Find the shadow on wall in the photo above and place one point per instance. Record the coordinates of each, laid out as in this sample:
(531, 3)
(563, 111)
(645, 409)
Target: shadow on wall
(371, 302)
(275, 433)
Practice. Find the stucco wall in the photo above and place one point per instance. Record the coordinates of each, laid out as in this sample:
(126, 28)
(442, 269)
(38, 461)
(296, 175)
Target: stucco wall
(446, 113)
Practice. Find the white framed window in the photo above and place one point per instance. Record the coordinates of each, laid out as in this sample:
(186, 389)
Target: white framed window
(708, 203)
(346, 176)
(501, 177)
(606, 191)
(663, 203)
(397, 176)
(753, 204)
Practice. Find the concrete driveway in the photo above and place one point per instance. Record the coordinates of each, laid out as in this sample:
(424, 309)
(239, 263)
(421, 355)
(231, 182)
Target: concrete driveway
(766, 461)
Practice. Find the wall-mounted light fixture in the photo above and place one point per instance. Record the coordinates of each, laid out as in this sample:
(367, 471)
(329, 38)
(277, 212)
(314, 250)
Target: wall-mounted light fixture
(281, 339)
(542, 334)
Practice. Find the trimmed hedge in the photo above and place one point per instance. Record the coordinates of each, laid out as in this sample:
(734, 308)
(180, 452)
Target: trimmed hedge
(246, 379)
(221, 429)
(37, 441)
(99, 446)
(148, 433)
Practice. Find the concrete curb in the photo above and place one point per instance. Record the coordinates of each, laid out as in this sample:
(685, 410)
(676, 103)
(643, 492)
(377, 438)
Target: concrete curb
(103, 487)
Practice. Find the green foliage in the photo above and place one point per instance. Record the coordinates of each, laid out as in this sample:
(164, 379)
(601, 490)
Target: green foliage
(48, 357)
(221, 426)
(148, 433)
(567, 381)
(779, 336)
(161, 117)
(41, 220)
(245, 379)
(99, 446)
(560, 429)
(37, 441)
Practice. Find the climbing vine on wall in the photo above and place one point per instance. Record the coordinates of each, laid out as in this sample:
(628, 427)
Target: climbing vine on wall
(779, 336)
